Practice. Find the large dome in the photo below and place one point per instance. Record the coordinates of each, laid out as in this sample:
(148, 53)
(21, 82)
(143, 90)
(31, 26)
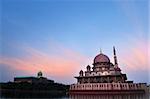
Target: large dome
(101, 58)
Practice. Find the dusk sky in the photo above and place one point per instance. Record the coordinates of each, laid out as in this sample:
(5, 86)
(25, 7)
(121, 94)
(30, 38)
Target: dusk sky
(61, 37)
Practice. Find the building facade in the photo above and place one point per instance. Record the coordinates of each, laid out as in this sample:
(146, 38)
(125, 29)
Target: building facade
(103, 71)
(105, 77)
(38, 79)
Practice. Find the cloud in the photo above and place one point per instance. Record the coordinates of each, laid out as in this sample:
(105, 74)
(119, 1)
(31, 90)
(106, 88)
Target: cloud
(60, 66)
(134, 61)
(135, 57)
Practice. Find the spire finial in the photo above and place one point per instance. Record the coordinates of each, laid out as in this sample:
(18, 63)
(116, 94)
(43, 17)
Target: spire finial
(100, 51)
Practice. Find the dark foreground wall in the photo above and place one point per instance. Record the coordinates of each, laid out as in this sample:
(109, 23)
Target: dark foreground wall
(109, 96)
(27, 90)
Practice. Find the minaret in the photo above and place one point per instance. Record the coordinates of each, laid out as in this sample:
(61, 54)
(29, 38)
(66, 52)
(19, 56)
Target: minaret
(115, 57)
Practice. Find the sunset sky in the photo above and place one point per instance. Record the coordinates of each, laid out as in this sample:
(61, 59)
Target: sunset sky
(61, 37)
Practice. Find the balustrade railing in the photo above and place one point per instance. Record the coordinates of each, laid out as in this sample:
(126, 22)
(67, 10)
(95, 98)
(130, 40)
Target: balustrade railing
(109, 86)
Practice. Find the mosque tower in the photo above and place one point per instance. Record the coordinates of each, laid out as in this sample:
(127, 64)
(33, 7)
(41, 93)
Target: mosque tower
(115, 57)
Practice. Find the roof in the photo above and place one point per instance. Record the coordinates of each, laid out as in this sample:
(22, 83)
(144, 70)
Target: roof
(101, 58)
(26, 77)
(30, 77)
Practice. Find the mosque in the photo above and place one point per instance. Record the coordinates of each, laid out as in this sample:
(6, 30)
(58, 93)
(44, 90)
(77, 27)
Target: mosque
(105, 76)
(103, 71)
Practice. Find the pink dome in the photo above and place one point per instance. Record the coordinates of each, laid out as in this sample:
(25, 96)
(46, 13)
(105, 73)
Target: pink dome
(101, 58)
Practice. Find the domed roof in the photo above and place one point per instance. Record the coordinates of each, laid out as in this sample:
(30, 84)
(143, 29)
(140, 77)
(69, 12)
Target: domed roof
(39, 74)
(101, 58)
(88, 66)
(81, 71)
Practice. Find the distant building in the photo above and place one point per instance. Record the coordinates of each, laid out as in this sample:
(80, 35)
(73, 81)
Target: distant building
(38, 79)
(105, 77)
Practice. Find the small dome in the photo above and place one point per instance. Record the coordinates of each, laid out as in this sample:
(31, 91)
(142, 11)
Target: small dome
(88, 66)
(81, 71)
(39, 74)
(101, 58)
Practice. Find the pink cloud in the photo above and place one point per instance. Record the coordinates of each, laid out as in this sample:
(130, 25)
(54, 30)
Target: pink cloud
(58, 66)
(135, 58)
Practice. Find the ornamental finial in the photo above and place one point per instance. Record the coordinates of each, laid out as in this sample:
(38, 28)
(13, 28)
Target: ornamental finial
(100, 51)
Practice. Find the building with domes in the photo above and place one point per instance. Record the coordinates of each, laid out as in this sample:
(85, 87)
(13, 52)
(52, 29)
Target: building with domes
(103, 71)
(31, 79)
(104, 77)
